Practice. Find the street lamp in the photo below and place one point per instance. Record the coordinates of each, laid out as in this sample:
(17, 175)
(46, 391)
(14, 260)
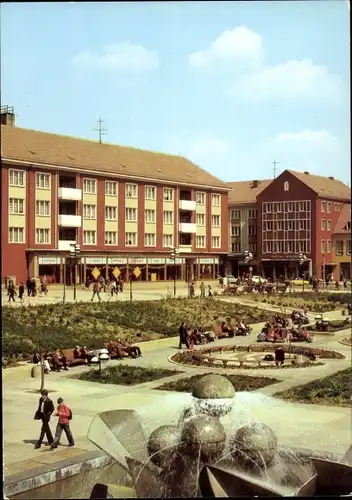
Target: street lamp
(76, 250)
(302, 259)
(174, 253)
(248, 256)
(100, 356)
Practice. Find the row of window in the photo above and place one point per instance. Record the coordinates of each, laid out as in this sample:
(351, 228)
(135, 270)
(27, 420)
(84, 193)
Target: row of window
(237, 213)
(282, 246)
(326, 206)
(287, 225)
(286, 206)
(325, 225)
(236, 230)
(341, 248)
(236, 247)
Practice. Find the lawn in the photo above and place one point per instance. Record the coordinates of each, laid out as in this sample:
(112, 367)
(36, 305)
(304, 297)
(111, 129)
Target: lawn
(240, 383)
(53, 326)
(125, 375)
(333, 390)
(319, 303)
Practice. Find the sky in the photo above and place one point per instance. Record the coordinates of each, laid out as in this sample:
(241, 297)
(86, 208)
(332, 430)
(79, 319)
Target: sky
(233, 86)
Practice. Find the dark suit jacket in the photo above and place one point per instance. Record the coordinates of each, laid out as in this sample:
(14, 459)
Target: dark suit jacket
(48, 407)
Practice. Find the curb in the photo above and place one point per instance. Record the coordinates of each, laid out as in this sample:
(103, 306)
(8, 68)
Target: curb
(47, 474)
(345, 343)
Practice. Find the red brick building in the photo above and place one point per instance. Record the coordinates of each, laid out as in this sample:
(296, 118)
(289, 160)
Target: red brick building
(298, 213)
(125, 207)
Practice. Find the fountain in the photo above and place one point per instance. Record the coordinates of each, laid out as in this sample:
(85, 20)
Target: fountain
(205, 454)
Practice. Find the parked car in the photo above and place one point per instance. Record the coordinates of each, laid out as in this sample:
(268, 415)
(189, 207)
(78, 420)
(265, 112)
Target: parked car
(257, 280)
(230, 279)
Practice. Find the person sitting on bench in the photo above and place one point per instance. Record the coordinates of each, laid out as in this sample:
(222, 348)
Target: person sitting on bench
(62, 359)
(133, 351)
(241, 327)
(83, 353)
(226, 328)
(76, 352)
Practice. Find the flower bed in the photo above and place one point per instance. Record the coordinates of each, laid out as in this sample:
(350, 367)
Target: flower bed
(321, 302)
(334, 390)
(240, 383)
(63, 326)
(334, 326)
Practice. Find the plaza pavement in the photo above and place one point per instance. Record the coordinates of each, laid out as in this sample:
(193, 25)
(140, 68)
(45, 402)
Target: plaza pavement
(318, 427)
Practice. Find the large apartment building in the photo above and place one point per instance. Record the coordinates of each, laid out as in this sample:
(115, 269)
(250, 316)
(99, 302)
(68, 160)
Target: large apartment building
(125, 207)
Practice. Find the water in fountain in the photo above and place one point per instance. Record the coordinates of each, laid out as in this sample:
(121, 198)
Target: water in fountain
(209, 442)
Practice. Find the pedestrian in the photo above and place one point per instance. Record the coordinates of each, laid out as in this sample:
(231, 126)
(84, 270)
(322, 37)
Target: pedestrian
(44, 412)
(210, 291)
(279, 357)
(29, 286)
(113, 288)
(191, 290)
(202, 290)
(11, 292)
(65, 415)
(96, 291)
(183, 336)
(21, 291)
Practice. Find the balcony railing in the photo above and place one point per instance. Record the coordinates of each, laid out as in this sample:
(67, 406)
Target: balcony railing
(185, 248)
(187, 227)
(73, 194)
(187, 205)
(65, 245)
(70, 221)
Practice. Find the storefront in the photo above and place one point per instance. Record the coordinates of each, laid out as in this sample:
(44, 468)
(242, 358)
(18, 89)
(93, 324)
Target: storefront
(49, 266)
(285, 269)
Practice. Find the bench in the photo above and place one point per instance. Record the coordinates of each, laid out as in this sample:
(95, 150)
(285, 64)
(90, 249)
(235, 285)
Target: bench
(71, 361)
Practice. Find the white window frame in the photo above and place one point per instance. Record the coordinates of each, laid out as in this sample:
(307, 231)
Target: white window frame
(147, 212)
(215, 201)
(236, 213)
(42, 176)
(134, 237)
(20, 204)
(114, 233)
(43, 231)
(322, 206)
(43, 204)
(286, 186)
(91, 233)
(200, 238)
(129, 211)
(13, 172)
(216, 220)
(152, 237)
(89, 211)
(168, 194)
(252, 213)
(252, 230)
(328, 207)
(166, 237)
(19, 230)
(322, 246)
(113, 210)
(131, 190)
(236, 247)
(168, 212)
(202, 222)
(150, 192)
(108, 190)
(322, 224)
(215, 239)
(328, 225)
(88, 181)
(328, 246)
(200, 199)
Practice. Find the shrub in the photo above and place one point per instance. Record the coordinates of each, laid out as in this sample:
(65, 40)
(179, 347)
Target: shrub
(125, 375)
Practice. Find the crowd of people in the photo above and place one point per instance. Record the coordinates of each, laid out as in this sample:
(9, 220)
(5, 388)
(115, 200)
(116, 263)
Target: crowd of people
(34, 287)
(113, 286)
(52, 361)
(280, 328)
(121, 348)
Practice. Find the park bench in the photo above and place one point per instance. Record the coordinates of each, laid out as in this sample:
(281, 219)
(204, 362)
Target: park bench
(71, 361)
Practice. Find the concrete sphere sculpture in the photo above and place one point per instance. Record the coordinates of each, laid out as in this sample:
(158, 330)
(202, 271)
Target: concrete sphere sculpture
(162, 443)
(254, 446)
(214, 395)
(203, 435)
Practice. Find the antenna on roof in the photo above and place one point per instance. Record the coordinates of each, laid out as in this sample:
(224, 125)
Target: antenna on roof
(275, 163)
(102, 131)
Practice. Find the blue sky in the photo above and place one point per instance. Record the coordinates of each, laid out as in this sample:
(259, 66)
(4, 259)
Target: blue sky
(231, 85)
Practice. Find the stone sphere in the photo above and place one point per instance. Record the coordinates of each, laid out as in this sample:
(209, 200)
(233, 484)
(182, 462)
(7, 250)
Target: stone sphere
(162, 443)
(254, 445)
(213, 386)
(203, 434)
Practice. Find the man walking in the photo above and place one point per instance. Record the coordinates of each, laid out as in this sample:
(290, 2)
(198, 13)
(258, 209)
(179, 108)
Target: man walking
(183, 336)
(45, 409)
(65, 415)
(202, 290)
(96, 291)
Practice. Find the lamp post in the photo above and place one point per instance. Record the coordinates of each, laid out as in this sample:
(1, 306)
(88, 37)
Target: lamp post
(174, 253)
(103, 357)
(76, 250)
(302, 259)
(248, 256)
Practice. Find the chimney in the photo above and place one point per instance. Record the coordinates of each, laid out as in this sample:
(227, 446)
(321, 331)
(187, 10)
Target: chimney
(255, 184)
(331, 178)
(307, 173)
(7, 114)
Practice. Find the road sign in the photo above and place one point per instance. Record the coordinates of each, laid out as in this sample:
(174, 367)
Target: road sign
(137, 272)
(116, 272)
(96, 273)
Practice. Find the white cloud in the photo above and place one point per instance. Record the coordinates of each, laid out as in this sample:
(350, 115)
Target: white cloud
(317, 152)
(290, 80)
(123, 57)
(239, 47)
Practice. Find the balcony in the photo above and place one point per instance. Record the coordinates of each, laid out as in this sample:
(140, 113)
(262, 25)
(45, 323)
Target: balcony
(70, 194)
(70, 221)
(187, 205)
(187, 227)
(185, 248)
(65, 245)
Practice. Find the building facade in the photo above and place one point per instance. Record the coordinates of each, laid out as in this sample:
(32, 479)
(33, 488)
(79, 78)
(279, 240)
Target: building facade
(243, 225)
(341, 246)
(127, 209)
(298, 214)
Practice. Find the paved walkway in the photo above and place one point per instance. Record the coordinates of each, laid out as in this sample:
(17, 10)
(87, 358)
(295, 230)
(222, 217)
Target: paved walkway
(315, 426)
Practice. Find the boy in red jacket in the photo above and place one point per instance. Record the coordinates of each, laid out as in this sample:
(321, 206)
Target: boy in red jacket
(64, 413)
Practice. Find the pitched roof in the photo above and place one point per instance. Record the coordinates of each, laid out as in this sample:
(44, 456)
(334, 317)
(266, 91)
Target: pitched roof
(246, 192)
(45, 148)
(345, 217)
(325, 187)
